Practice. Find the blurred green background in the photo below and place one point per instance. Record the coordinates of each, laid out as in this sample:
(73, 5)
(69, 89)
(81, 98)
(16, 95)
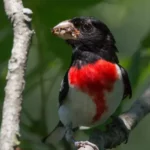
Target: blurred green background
(49, 57)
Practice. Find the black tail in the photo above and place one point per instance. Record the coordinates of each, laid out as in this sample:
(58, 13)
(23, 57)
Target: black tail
(56, 135)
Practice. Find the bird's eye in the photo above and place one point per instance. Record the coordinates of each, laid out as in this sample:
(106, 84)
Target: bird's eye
(87, 27)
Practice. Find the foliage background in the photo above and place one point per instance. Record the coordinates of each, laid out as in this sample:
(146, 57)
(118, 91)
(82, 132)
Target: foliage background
(49, 57)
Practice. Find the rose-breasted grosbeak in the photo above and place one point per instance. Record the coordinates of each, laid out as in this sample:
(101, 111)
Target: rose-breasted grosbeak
(95, 83)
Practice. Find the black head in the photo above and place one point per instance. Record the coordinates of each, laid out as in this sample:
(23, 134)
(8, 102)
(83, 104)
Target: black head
(92, 30)
(87, 34)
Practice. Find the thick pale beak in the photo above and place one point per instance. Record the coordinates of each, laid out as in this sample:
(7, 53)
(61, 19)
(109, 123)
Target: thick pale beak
(66, 30)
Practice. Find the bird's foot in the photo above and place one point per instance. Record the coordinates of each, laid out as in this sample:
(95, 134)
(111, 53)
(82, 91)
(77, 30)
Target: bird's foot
(69, 134)
(79, 144)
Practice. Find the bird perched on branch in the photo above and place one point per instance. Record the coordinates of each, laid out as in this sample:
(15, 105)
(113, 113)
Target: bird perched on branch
(95, 83)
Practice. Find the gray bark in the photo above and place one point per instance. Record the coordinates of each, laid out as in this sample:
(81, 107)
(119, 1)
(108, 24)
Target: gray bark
(21, 22)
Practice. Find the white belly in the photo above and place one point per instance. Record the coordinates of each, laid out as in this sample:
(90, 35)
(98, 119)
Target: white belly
(79, 109)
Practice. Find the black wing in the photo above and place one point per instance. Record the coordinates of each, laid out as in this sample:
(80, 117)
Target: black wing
(127, 85)
(64, 88)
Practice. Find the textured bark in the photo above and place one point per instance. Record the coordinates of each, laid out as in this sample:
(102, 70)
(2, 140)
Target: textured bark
(117, 134)
(20, 19)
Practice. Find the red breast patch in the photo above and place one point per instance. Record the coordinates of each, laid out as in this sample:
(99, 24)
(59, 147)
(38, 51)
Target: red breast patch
(94, 79)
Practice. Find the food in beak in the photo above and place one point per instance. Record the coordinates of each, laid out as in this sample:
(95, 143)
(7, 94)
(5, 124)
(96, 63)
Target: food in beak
(66, 30)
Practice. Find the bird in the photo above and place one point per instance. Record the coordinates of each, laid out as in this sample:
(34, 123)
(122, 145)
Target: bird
(95, 83)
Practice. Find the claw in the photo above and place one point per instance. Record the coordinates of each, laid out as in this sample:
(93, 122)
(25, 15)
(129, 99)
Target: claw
(79, 144)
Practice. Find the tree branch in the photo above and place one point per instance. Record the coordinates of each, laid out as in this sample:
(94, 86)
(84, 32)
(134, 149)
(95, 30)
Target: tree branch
(117, 134)
(21, 22)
